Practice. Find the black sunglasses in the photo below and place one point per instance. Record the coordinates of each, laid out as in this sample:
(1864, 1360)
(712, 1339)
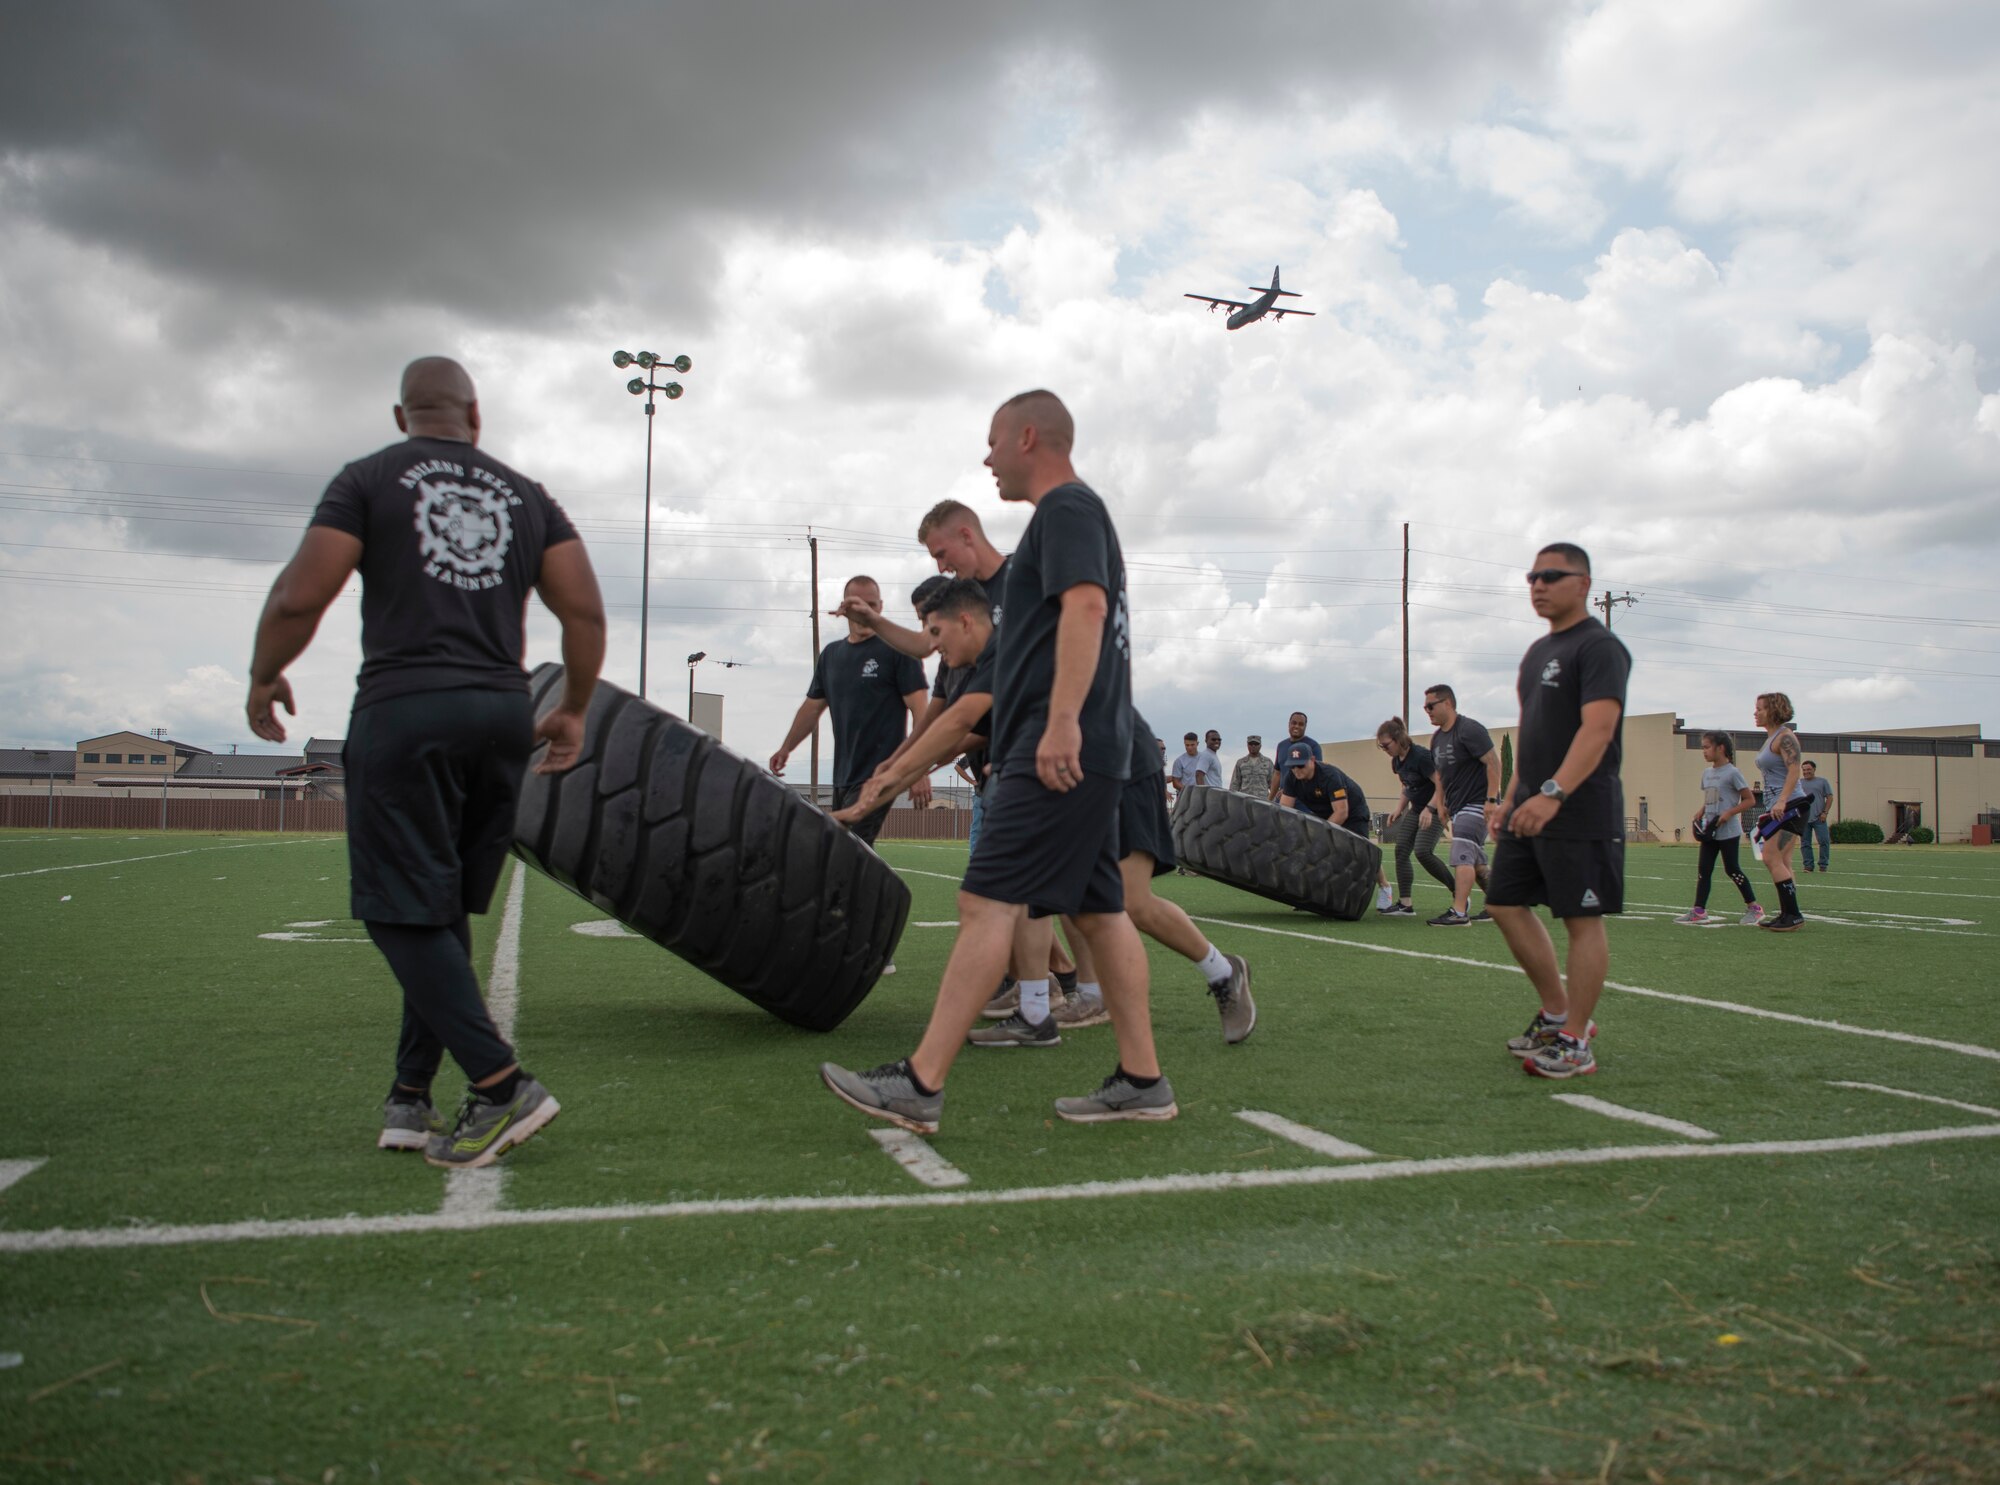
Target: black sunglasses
(1552, 575)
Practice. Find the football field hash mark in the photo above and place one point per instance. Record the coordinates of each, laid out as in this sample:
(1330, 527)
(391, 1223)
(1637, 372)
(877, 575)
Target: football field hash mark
(1304, 1135)
(915, 1156)
(12, 1170)
(1950, 1103)
(1635, 1116)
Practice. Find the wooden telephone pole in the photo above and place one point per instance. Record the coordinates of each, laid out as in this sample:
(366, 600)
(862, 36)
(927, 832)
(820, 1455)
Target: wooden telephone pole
(1610, 601)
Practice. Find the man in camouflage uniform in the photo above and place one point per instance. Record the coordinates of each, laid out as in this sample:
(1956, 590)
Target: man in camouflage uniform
(1253, 772)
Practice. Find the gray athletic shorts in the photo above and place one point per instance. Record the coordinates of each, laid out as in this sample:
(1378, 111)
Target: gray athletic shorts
(1468, 838)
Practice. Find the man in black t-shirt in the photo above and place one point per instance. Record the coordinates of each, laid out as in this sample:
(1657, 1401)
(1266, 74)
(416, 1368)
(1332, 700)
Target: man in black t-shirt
(1561, 837)
(449, 543)
(1062, 740)
(873, 692)
(1324, 791)
(1466, 782)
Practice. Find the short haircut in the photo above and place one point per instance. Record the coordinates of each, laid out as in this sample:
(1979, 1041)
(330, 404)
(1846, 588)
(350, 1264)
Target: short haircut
(961, 596)
(1191, 738)
(1300, 715)
(1445, 691)
(1810, 763)
(928, 589)
(1776, 704)
(1569, 551)
(860, 580)
(1720, 740)
(1395, 729)
(1044, 412)
(948, 513)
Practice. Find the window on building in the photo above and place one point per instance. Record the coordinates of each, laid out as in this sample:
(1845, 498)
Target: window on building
(159, 758)
(114, 757)
(90, 757)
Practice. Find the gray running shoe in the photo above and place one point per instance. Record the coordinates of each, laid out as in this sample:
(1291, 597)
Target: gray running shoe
(1752, 916)
(1006, 1000)
(1449, 918)
(1233, 1002)
(887, 1092)
(1564, 1057)
(1695, 918)
(408, 1126)
(1541, 1033)
(1078, 1011)
(486, 1131)
(1117, 1098)
(1016, 1031)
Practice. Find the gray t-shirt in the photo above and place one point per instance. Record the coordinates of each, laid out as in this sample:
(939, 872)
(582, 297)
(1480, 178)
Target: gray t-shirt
(1822, 795)
(1722, 789)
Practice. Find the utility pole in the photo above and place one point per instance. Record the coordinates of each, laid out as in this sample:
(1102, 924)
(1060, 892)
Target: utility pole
(1610, 601)
(1405, 713)
(812, 545)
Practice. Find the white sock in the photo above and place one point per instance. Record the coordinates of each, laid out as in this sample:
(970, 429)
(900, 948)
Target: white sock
(1091, 991)
(1034, 1001)
(1214, 968)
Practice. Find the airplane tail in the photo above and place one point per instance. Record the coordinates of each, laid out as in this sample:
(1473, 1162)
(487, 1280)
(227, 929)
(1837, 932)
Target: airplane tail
(1272, 288)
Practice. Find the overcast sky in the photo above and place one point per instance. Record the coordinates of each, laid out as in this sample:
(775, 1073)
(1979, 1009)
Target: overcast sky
(1710, 288)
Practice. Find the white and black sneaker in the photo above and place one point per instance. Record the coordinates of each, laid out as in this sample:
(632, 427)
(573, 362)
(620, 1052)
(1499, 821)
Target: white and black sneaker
(1118, 1097)
(1449, 918)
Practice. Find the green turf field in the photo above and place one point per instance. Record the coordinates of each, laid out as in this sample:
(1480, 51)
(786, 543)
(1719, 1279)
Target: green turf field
(709, 1270)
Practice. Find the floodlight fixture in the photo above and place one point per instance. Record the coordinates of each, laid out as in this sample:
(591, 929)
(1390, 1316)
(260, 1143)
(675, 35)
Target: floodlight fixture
(683, 364)
(636, 386)
(697, 657)
(621, 359)
(647, 359)
(673, 391)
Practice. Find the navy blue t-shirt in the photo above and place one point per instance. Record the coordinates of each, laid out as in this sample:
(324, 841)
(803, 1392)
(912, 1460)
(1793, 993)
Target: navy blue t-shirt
(1414, 773)
(1069, 542)
(863, 686)
(1318, 793)
(451, 547)
(1291, 748)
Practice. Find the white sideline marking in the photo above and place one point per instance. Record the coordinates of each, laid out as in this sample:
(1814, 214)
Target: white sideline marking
(1319, 1142)
(1634, 1116)
(1899, 891)
(60, 1239)
(160, 856)
(1950, 1103)
(1967, 1049)
(473, 1193)
(912, 871)
(602, 928)
(12, 1170)
(919, 1159)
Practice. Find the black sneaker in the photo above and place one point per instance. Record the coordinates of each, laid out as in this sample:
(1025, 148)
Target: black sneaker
(1482, 916)
(1449, 918)
(1396, 910)
(1785, 923)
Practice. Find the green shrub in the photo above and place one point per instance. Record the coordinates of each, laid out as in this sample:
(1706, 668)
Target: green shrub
(1857, 833)
(1923, 835)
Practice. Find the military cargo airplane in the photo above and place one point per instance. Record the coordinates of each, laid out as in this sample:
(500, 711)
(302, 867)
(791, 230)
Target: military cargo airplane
(1257, 308)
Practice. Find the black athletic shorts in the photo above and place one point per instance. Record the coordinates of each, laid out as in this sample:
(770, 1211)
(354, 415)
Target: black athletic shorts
(868, 826)
(1057, 853)
(432, 780)
(1572, 878)
(1143, 824)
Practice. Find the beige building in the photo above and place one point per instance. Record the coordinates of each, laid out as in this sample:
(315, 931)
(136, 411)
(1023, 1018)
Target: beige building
(1945, 777)
(131, 757)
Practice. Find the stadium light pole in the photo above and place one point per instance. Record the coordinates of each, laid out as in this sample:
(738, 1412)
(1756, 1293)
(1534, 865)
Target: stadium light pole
(693, 660)
(645, 386)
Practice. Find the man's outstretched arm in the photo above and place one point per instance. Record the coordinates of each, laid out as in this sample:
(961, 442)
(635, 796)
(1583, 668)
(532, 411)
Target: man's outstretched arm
(299, 600)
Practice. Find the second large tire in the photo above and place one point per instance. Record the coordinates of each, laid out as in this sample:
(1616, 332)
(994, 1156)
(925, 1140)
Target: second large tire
(707, 855)
(1279, 853)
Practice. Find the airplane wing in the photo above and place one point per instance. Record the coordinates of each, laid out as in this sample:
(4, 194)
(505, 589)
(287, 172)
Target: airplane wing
(1210, 299)
(1281, 313)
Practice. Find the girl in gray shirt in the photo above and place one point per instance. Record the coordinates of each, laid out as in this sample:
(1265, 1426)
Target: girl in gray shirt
(1719, 827)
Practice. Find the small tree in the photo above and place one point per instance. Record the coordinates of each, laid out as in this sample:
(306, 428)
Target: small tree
(1506, 765)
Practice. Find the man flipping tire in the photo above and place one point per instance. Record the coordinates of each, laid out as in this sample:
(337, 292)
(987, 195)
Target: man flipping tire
(1062, 720)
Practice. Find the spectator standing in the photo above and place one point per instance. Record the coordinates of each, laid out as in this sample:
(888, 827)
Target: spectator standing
(449, 543)
(1785, 808)
(1467, 781)
(1253, 772)
(1190, 769)
(1725, 795)
(1819, 825)
(1415, 825)
(1295, 743)
(1211, 746)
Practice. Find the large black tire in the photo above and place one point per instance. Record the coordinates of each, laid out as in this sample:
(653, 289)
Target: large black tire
(1279, 853)
(706, 854)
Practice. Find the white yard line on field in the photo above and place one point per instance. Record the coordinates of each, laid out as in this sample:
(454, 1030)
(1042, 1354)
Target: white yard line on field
(473, 1192)
(1318, 1141)
(923, 1163)
(1818, 886)
(1966, 1049)
(1923, 923)
(12, 1170)
(158, 856)
(59, 1239)
(912, 871)
(1950, 1103)
(1635, 1116)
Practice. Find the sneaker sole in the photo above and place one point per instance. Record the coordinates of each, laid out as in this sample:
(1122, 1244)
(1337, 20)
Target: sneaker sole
(888, 1116)
(973, 1040)
(1534, 1071)
(1101, 1018)
(510, 1138)
(1146, 1116)
(402, 1139)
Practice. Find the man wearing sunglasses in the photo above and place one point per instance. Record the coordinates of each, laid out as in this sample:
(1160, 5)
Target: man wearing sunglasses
(1560, 839)
(1467, 781)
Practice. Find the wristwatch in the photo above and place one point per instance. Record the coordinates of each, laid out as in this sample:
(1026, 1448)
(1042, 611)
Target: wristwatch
(1552, 790)
(1495, 799)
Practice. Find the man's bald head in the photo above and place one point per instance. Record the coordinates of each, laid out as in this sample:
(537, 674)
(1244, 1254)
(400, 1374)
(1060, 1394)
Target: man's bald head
(438, 400)
(1044, 412)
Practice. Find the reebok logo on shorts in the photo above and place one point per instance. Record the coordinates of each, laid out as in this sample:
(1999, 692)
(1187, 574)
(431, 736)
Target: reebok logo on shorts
(1589, 899)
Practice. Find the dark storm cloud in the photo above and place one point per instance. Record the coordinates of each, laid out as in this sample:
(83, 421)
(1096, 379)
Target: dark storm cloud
(514, 160)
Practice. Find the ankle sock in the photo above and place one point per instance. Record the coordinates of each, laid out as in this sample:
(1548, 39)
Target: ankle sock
(1066, 979)
(1548, 1020)
(916, 1082)
(505, 1089)
(1214, 968)
(1034, 1001)
(1134, 1079)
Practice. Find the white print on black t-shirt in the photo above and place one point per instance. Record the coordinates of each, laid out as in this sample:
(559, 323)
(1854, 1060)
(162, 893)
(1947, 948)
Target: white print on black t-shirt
(1121, 626)
(1552, 673)
(465, 532)
(870, 667)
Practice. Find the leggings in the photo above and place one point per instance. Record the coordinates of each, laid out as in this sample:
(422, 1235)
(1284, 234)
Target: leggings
(1408, 836)
(1726, 849)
